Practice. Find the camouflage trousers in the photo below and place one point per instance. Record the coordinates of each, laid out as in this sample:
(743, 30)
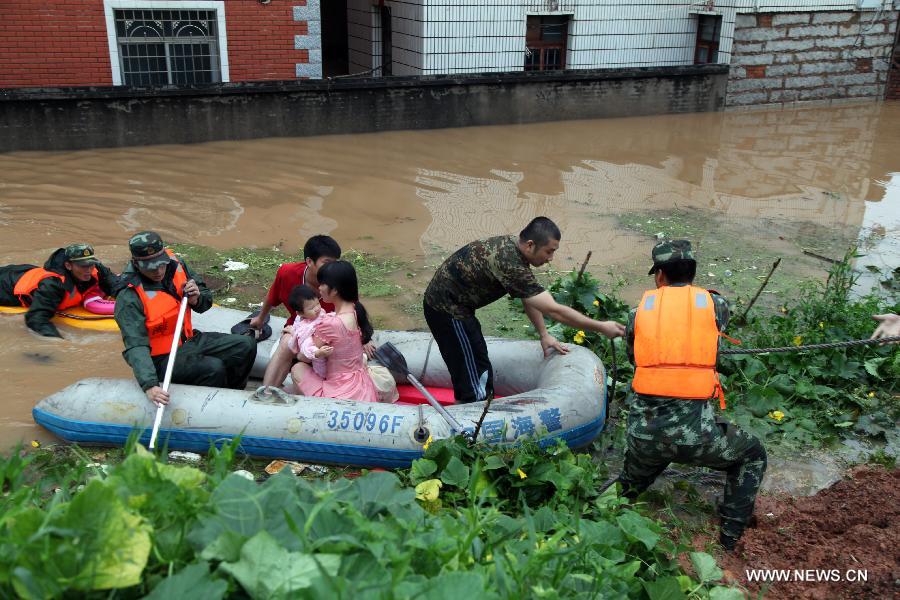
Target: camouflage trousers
(740, 455)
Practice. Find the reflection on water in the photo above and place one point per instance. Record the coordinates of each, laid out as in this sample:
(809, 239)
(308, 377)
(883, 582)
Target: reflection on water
(774, 177)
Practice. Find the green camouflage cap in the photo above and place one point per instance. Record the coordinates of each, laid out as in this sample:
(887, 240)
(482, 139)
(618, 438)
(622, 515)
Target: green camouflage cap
(148, 250)
(673, 251)
(80, 253)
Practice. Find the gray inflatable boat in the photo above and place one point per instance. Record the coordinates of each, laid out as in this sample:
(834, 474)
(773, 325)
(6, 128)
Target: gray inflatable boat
(563, 396)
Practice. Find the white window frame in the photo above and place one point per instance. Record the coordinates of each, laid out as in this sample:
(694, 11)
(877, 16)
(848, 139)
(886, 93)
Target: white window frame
(110, 6)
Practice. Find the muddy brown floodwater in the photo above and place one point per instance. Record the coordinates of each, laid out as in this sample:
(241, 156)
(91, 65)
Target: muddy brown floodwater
(742, 185)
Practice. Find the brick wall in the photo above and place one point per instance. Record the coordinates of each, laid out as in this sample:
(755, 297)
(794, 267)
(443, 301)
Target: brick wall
(893, 86)
(802, 56)
(53, 43)
(57, 43)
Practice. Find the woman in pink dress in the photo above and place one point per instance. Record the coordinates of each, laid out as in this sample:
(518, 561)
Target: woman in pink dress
(346, 330)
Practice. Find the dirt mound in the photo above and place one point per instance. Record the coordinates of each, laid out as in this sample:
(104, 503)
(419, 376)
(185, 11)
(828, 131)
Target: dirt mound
(844, 542)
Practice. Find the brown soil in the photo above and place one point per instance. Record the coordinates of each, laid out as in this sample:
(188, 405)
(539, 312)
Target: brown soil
(852, 525)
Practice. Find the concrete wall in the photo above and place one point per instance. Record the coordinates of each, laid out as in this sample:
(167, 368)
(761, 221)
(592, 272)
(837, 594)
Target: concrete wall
(89, 118)
(802, 56)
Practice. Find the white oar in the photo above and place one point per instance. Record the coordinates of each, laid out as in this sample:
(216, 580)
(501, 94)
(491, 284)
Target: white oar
(169, 367)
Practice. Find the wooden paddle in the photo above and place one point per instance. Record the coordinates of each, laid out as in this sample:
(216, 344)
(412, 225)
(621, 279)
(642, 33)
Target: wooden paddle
(169, 367)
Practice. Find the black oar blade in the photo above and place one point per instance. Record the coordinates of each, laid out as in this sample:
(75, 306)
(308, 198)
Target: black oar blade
(388, 355)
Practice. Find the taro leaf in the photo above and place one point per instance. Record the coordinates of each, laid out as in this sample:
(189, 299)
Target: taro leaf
(664, 588)
(706, 567)
(268, 571)
(635, 527)
(422, 469)
(455, 473)
(194, 582)
(725, 593)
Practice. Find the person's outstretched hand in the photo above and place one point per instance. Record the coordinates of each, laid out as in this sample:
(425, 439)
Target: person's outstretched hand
(611, 329)
(548, 342)
(889, 326)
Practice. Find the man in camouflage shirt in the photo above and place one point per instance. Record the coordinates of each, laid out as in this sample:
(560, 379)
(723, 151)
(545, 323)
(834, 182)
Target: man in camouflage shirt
(480, 273)
(672, 429)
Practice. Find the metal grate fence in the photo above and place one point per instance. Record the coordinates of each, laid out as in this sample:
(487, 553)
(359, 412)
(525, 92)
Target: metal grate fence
(168, 47)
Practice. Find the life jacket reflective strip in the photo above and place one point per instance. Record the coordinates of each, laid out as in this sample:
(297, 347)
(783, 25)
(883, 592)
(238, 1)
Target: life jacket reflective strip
(161, 313)
(30, 280)
(675, 344)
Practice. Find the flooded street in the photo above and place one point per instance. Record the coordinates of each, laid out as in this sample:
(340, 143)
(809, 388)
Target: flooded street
(745, 186)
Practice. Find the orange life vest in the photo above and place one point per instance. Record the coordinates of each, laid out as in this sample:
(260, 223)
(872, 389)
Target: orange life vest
(675, 344)
(30, 280)
(161, 313)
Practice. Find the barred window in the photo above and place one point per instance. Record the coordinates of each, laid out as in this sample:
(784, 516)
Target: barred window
(160, 47)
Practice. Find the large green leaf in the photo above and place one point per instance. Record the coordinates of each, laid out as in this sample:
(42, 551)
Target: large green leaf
(726, 593)
(452, 586)
(268, 571)
(706, 567)
(380, 491)
(636, 528)
(455, 473)
(664, 588)
(91, 543)
(194, 582)
(245, 508)
(422, 469)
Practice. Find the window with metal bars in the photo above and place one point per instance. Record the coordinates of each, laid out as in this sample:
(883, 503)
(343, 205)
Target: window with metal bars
(545, 42)
(167, 47)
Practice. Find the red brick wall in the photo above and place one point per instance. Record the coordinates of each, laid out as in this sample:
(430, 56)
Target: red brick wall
(53, 43)
(63, 42)
(261, 39)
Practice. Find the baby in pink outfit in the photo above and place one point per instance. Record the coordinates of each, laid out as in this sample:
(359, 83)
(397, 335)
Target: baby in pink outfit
(305, 301)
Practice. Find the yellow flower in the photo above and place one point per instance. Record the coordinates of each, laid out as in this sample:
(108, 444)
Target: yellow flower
(871, 394)
(596, 303)
(521, 474)
(777, 415)
(35, 444)
(821, 324)
(428, 491)
(579, 337)
(798, 339)
(427, 442)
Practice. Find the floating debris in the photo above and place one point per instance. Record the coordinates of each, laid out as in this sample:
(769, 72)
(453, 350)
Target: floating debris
(188, 457)
(234, 265)
(276, 466)
(245, 474)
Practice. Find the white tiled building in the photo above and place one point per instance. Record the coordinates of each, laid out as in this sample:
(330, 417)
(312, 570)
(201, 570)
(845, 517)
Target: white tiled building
(430, 37)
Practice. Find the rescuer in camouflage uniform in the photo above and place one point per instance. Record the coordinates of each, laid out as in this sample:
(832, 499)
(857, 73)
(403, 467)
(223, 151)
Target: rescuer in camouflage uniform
(207, 358)
(74, 264)
(480, 273)
(662, 430)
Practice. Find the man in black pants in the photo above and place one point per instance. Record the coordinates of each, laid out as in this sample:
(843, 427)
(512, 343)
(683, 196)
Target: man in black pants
(480, 273)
